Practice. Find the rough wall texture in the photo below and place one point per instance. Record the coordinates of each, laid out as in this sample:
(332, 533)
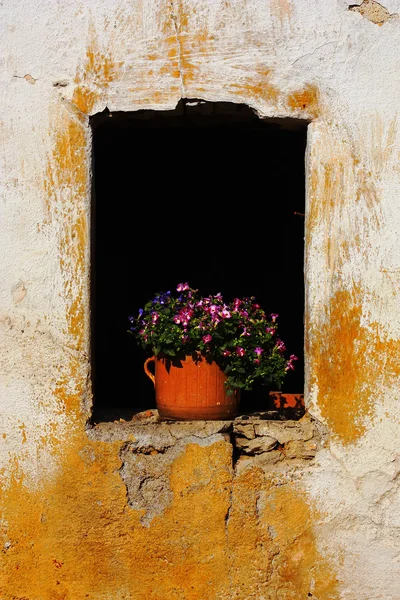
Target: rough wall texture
(77, 516)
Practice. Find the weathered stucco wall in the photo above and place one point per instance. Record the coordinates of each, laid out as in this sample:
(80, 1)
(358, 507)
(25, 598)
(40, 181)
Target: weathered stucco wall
(327, 528)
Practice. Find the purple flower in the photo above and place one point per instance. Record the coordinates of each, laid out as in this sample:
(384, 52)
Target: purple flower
(161, 298)
(258, 350)
(240, 351)
(274, 317)
(182, 287)
(207, 338)
(141, 311)
(131, 319)
(213, 309)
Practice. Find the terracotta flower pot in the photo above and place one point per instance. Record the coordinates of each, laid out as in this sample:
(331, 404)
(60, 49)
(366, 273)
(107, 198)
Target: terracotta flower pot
(286, 401)
(192, 391)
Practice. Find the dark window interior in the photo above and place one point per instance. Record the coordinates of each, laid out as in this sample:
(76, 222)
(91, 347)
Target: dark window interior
(207, 193)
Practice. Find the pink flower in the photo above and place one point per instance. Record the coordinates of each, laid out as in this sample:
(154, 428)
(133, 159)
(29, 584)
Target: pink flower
(270, 330)
(207, 338)
(280, 345)
(236, 304)
(182, 287)
(256, 361)
(240, 351)
(258, 350)
(245, 332)
(213, 309)
(289, 364)
(255, 306)
(154, 317)
(225, 314)
(274, 317)
(226, 353)
(177, 319)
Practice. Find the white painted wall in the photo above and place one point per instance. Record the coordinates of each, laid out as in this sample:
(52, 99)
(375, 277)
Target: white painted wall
(355, 65)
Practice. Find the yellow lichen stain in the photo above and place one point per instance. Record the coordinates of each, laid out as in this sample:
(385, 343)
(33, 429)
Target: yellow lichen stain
(66, 186)
(306, 99)
(301, 568)
(350, 361)
(78, 537)
(350, 358)
(66, 189)
(23, 432)
(276, 520)
(258, 86)
(95, 76)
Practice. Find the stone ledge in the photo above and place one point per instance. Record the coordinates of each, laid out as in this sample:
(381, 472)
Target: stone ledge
(250, 435)
(148, 447)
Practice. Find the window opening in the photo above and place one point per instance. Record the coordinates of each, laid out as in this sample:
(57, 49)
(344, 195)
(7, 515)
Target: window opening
(207, 193)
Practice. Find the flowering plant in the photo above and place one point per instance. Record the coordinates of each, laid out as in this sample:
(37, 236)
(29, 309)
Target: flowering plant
(238, 336)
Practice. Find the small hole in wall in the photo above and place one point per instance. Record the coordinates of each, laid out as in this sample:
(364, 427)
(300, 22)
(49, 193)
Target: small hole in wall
(207, 193)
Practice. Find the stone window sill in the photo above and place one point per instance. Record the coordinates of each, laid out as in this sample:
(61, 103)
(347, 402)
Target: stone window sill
(262, 434)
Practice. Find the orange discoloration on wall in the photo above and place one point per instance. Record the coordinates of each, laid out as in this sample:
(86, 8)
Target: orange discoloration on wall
(278, 521)
(82, 521)
(77, 537)
(258, 87)
(68, 184)
(302, 568)
(350, 360)
(95, 76)
(67, 191)
(306, 99)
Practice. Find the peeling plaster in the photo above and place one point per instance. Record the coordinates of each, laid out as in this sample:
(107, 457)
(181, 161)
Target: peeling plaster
(373, 11)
